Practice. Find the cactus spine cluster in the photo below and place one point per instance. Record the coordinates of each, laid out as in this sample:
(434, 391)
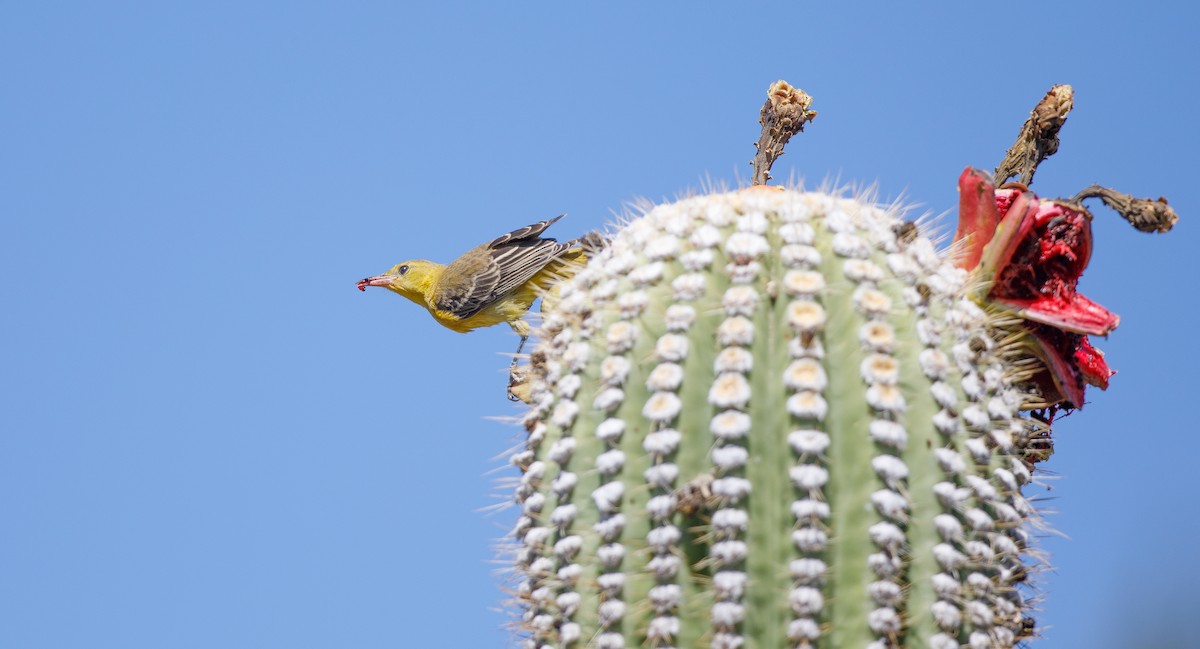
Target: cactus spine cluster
(770, 418)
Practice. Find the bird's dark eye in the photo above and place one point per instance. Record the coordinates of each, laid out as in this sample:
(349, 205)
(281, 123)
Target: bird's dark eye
(403, 269)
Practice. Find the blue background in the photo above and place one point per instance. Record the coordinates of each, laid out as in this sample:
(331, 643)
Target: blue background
(210, 439)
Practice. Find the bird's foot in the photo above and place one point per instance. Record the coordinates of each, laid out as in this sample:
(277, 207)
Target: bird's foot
(518, 383)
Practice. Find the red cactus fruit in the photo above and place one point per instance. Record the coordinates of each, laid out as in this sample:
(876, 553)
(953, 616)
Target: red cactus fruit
(1028, 255)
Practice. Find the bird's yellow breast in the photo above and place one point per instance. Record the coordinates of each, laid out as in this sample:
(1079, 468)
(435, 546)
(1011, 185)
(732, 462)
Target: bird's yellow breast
(508, 309)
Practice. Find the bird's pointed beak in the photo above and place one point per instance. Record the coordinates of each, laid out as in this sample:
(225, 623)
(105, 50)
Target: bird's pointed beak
(378, 280)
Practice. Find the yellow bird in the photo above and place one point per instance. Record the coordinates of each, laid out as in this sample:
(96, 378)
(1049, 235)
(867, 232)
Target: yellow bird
(492, 283)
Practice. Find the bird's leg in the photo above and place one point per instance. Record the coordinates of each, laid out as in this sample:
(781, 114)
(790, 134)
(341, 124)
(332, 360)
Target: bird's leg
(516, 379)
(517, 356)
(518, 387)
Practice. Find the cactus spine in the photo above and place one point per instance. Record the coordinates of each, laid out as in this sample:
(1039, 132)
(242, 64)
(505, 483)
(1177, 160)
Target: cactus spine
(770, 418)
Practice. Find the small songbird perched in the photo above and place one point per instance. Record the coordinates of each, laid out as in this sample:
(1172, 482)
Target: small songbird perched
(492, 283)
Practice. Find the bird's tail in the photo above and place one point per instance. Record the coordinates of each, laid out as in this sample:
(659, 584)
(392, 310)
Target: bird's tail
(590, 243)
(574, 256)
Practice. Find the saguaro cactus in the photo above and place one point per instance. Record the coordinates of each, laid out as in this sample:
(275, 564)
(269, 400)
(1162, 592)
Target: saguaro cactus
(770, 418)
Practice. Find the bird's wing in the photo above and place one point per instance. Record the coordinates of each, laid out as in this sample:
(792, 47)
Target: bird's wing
(505, 264)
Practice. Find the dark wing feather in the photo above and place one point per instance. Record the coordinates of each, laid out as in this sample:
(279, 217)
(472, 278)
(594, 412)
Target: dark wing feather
(493, 270)
(527, 232)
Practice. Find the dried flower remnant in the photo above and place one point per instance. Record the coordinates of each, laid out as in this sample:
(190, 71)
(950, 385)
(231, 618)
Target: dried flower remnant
(1027, 256)
(782, 116)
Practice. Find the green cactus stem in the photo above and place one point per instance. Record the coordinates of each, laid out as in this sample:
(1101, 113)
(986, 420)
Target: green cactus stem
(770, 418)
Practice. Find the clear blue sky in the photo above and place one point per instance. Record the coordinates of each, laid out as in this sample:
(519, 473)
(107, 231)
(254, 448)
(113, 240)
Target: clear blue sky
(208, 438)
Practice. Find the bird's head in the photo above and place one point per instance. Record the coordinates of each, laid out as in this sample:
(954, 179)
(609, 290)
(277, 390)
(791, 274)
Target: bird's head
(412, 279)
